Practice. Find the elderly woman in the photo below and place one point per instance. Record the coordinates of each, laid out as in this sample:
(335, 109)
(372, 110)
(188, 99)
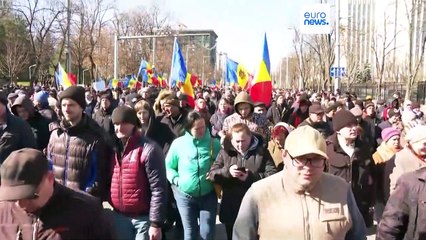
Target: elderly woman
(387, 150)
(275, 146)
(187, 164)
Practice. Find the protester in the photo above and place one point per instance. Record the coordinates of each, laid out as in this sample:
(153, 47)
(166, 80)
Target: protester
(389, 147)
(175, 115)
(276, 145)
(152, 128)
(103, 115)
(300, 113)
(224, 110)
(34, 206)
(24, 108)
(139, 184)
(316, 120)
(244, 113)
(187, 171)
(78, 148)
(276, 111)
(403, 217)
(41, 103)
(350, 158)
(243, 161)
(90, 103)
(303, 194)
(412, 156)
(15, 133)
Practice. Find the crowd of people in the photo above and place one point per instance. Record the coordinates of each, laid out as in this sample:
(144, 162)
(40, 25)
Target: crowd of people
(134, 164)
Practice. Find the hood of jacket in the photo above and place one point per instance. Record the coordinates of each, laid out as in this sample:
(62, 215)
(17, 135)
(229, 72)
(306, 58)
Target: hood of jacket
(243, 97)
(25, 102)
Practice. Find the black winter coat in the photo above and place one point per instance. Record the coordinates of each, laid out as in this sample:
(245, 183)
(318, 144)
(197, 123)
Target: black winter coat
(160, 133)
(103, 118)
(259, 163)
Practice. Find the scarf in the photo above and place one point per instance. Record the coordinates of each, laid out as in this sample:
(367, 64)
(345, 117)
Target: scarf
(384, 153)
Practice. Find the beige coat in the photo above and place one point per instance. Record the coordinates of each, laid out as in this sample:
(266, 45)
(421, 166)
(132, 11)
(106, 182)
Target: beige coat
(320, 214)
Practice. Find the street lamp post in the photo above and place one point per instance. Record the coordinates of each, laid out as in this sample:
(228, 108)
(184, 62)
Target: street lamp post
(29, 70)
(202, 74)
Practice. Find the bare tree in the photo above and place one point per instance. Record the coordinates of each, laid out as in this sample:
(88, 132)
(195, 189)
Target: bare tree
(96, 12)
(15, 57)
(41, 17)
(323, 46)
(298, 44)
(383, 45)
(415, 56)
(143, 21)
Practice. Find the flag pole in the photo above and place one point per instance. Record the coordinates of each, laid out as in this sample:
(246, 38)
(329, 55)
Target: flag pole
(171, 65)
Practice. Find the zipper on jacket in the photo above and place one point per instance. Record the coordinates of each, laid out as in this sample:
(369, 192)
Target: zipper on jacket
(120, 181)
(19, 234)
(35, 228)
(198, 172)
(67, 145)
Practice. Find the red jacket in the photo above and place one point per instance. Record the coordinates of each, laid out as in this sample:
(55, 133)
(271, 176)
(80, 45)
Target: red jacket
(138, 184)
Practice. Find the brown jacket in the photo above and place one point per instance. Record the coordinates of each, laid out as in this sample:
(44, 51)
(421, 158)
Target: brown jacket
(67, 215)
(404, 216)
(356, 170)
(276, 154)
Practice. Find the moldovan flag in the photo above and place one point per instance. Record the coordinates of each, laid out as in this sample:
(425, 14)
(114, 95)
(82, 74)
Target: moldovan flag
(261, 87)
(236, 73)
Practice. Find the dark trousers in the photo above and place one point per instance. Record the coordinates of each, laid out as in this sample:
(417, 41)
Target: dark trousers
(229, 228)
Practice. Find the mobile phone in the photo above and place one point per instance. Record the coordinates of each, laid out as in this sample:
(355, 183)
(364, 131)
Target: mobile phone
(242, 169)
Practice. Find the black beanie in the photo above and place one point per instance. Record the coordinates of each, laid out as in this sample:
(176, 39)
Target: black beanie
(124, 114)
(75, 93)
(342, 119)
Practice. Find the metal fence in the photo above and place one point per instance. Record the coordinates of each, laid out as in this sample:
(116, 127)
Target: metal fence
(418, 92)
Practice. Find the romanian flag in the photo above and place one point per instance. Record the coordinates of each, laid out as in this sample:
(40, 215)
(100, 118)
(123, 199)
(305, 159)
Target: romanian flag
(163, 82)
(261, 86)
(63, 79)
(236, 73)
(187, 89)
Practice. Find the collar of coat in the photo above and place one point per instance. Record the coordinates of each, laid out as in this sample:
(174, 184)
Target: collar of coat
(338, 149)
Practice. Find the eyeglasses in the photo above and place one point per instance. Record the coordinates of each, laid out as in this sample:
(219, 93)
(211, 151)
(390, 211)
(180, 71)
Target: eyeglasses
(317, 162)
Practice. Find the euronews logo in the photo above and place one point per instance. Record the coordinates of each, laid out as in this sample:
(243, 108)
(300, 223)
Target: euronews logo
(315, 18)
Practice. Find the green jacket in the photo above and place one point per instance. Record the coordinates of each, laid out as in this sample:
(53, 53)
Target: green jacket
(188, 162)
